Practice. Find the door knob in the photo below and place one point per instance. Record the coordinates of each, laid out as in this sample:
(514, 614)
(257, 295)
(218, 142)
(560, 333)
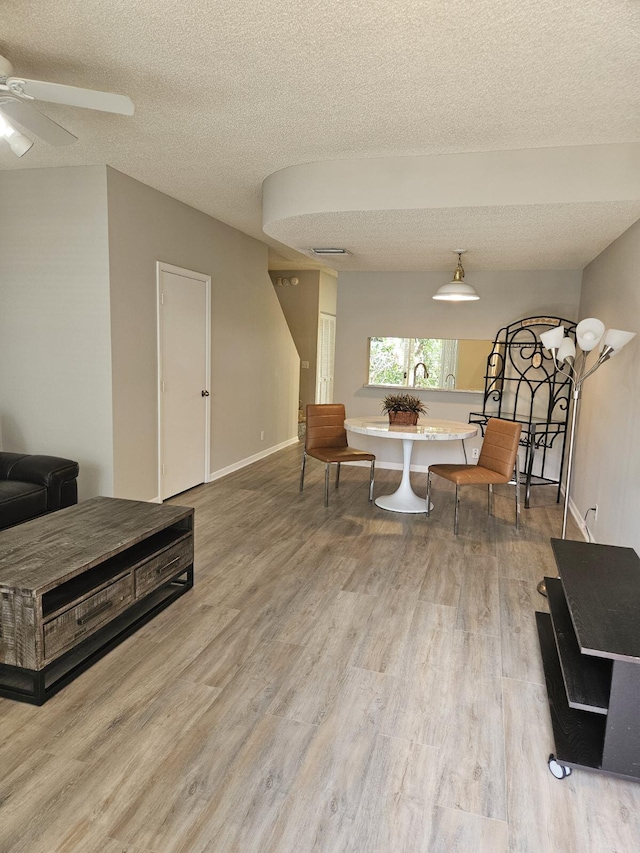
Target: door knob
(205, 393)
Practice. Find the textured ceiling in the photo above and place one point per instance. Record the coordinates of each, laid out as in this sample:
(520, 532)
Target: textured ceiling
(559, 236)
(228, 93)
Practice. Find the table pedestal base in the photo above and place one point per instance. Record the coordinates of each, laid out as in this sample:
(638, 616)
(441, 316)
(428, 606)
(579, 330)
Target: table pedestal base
(404, 499)
(400, 502)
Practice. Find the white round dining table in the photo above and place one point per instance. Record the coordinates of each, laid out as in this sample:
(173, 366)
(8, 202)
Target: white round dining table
(404, 499)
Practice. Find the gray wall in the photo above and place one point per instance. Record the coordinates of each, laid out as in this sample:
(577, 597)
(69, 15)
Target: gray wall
(400, 304)
(78, 248)
(254, 365)
(328, 297)
(607, 462)
(55, 348)
(300, 307)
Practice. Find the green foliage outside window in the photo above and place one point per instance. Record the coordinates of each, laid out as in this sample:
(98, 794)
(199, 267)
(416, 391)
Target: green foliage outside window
(398, 361)
(387, 359)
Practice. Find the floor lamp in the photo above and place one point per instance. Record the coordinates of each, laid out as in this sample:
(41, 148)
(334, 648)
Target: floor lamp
(573, 364)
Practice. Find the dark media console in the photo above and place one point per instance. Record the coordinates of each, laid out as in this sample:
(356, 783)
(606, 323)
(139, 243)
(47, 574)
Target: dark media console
(590, 644)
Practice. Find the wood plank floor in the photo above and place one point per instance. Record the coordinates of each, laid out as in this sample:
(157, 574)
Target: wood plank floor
(345, 680)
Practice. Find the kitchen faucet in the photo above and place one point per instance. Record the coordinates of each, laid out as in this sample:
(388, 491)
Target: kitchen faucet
(415, 371)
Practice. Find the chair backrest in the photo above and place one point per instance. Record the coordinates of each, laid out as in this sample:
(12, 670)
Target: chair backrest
(500, 446)
(325, 426)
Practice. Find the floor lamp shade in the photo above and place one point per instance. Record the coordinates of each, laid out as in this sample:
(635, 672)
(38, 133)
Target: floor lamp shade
(588, 333)
(616, 339)
(567, 349)
(552, 339)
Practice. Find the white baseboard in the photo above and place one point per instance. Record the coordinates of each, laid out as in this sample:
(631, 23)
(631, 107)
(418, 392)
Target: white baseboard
(579, 520)
(242, 463)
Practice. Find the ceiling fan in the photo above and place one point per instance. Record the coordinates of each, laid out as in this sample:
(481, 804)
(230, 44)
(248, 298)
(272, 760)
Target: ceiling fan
(18, 93)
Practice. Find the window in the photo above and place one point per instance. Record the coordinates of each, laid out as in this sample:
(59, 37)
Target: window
(428, 363)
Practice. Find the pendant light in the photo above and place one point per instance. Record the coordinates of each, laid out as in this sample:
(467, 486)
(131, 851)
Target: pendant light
(457, 290)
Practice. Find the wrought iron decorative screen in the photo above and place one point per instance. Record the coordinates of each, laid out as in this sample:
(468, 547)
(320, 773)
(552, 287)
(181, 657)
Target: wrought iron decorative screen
(521, 384)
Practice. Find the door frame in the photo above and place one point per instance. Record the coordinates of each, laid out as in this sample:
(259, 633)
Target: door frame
(161, 267)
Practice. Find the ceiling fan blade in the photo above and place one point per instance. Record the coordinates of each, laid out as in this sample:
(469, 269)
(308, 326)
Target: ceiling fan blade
(57, 93)
(34, 122)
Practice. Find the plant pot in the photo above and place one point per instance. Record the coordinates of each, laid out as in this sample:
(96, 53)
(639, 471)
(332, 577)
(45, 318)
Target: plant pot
(404, 418)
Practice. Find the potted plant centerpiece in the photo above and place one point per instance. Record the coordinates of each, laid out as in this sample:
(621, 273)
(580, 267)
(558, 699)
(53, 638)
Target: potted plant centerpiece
(403, 408)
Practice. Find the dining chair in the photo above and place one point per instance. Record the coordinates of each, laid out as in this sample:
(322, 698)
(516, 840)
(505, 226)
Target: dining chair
(326, 440)
(497, 462)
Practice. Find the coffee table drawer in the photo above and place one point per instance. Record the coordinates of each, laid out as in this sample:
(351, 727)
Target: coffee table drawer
(167, 564)
(68, 628)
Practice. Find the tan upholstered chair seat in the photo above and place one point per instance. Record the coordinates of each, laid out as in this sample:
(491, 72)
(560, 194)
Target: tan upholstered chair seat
(340, 454)
(468, 476)
(326, 440)
(498, 459)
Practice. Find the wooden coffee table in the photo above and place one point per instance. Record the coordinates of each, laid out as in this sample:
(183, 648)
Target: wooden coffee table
(75, 583)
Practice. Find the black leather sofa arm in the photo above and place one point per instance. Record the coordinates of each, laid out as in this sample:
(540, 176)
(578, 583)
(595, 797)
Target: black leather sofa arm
(58, 475)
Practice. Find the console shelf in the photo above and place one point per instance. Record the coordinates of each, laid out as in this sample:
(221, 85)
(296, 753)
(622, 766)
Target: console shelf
(578, 735)
(587, 681)
(590, 646)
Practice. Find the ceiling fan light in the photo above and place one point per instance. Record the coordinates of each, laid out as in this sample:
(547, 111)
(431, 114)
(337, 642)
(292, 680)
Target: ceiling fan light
(19, 143)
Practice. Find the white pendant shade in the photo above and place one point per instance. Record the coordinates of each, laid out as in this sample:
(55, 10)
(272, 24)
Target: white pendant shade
(588, 333)
(616, 339)
(567, 349)
(552, 339)
(456, 291)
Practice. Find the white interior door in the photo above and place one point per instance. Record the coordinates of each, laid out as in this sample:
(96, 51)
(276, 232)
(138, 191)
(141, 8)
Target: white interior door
(326, 357)
(183, 362)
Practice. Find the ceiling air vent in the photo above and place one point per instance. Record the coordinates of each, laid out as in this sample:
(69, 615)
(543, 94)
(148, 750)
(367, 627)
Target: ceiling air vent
(330, 251)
